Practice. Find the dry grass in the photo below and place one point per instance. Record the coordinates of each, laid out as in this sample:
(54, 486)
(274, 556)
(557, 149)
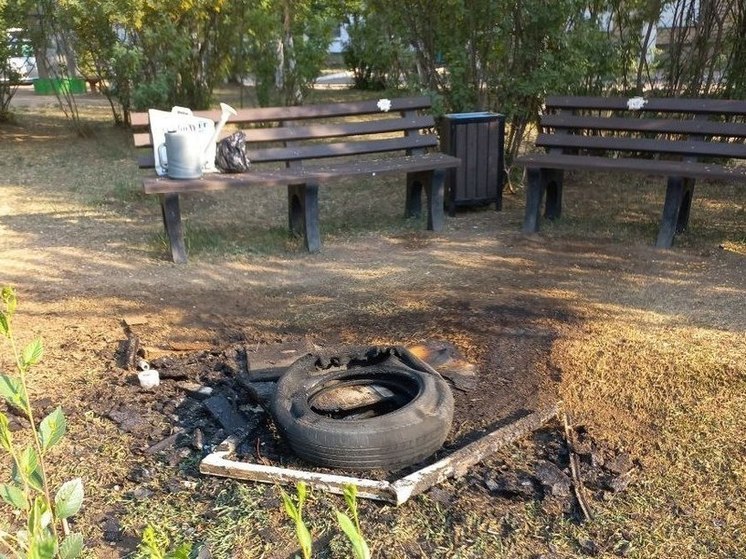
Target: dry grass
(652, 359)
(675, 396)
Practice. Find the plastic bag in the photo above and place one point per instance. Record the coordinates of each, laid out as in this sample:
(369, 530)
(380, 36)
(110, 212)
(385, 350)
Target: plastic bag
(231, 154)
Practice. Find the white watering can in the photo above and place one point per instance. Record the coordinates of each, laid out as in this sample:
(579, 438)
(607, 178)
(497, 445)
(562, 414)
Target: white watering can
(184, 157)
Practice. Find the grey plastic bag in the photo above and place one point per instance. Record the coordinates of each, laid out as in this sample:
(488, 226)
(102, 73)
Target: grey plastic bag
(230, 156)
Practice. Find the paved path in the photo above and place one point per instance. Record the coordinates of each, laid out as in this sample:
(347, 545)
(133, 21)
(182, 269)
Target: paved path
(26, 97)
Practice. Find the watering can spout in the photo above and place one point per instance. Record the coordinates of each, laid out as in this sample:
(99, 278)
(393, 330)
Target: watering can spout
(226, 112)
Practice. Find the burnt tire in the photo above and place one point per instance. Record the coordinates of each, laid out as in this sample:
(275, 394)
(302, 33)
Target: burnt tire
(415, 425)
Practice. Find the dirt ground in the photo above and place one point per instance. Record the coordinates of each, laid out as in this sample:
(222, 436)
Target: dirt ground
(516, 306)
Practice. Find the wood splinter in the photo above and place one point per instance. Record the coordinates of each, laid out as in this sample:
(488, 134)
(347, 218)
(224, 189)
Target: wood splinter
(577, 483)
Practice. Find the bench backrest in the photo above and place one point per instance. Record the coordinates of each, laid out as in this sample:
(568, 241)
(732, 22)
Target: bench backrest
(297, 134)
(682, 128)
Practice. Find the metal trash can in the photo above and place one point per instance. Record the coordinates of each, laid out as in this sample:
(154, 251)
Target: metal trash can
(478, 139)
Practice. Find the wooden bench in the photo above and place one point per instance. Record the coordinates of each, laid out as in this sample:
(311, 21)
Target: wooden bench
(682, 139)
(304, 147)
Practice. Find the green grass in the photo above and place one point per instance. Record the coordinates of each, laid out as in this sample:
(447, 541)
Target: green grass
(236, 241)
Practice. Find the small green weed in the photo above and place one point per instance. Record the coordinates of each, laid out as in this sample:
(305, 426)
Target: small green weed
(295, 512)
(45, 534)
(351, 527)
(155, 547)
(350, 524)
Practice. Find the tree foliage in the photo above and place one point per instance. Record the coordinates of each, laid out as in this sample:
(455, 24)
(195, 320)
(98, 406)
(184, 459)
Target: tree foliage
(507, 55)
(12, 15)
(376, 52)
(501, 55)
(283, 45)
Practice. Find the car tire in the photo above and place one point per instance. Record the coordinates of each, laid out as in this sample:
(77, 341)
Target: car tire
(415, 426)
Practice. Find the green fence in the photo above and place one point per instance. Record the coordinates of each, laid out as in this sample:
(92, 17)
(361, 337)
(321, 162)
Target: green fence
(51, 86)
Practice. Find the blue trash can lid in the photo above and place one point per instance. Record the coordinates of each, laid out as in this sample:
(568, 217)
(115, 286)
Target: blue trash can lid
(481, 116)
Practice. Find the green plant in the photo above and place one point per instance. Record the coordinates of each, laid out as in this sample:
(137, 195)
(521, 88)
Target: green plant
(351, 526)
(295, 512)
(45, 535)
(155, 549)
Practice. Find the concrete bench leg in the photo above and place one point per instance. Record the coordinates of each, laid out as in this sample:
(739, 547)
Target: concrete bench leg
(415, 185)
(534, 196)
(676, 208)
(540, 182)
(303, 214)
(553, 179)
(172, 222)
(433, 183)
(435, 190)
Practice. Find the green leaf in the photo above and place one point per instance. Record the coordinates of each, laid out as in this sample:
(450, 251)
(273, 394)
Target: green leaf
(71, 546)
(14, 496)
(149, 543)
(32, 353)
(12, 390)
(8, 296)
(304, 538)
(302, 490)
(43, 547)
(290, 508)
(69, 498)
(36, 480)
(52, 429)
(350, 495)
(15, 475)
(359, 546)
(4, 325)
(28, 462)
(35, 523)
(6, 437)
(294, 512)
(181, 552)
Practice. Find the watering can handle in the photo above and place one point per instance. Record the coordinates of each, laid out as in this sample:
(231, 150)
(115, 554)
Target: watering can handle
(162, 151)
(181, 110)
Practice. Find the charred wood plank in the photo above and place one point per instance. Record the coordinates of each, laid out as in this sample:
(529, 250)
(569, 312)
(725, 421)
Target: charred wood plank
(231, 419)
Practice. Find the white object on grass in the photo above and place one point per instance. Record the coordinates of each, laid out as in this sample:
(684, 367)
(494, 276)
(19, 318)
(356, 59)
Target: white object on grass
(149, 378)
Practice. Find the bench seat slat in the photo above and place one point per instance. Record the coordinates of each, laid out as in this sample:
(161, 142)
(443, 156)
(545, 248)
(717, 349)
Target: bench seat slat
(320, 151)
(614, 143)
(654, 104)
(340, 149)
(644, 166)
(659, 125)
(320, 131)
(279, 177)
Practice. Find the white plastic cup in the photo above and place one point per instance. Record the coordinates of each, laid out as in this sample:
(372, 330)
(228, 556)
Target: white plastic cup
(149, 378)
